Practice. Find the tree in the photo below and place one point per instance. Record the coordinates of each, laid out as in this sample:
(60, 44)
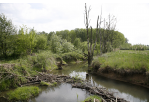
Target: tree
(41, 42)
(67, 46)
(77, 43)
(126, 40)
(25, 42)
(90, 38)
(6, 29)
(56, 44)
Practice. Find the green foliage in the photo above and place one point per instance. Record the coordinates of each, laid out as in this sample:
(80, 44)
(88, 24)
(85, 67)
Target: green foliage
(59, 45)
(83, 46)
(41, 42)
(23, 93)
(44, 83)
(54, 83)
(72, 56)
(43, 61)
(67, 46)
(25, 42)
(5, 85)
(125, 46)
(128, 46)
(92, 98)
(77, 43)
(6, 30)
(55, 44)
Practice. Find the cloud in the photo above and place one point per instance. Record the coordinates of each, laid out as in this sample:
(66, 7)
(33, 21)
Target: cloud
(132, 19)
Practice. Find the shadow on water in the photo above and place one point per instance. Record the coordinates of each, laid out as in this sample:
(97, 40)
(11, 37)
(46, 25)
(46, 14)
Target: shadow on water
(124, 90)
(60, 93)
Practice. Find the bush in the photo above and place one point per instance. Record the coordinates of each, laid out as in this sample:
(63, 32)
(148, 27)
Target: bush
(43, 61)
(72, 56)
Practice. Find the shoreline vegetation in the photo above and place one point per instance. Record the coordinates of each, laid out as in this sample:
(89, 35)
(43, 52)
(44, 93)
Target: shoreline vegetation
(23, 93)
(124, 65)
(26, 54)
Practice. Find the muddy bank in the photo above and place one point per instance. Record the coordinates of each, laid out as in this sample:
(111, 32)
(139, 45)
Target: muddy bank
(140, 78)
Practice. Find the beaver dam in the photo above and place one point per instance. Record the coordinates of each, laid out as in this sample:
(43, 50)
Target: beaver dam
(83, 84)
(74, 85)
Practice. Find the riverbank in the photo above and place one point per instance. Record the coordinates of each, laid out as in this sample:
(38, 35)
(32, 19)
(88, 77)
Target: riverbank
(75, 83)
(127, 66)
(15, 71)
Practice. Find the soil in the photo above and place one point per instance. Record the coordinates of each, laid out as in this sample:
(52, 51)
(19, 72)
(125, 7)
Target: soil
(133, 77)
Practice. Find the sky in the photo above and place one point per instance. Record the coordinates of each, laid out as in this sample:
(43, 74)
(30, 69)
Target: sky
(56, 15)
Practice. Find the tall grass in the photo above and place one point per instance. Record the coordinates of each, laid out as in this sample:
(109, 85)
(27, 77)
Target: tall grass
(125, 59)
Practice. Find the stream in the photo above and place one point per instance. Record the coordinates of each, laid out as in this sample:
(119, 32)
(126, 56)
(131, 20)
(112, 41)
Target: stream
(65, 93)
(120, 89)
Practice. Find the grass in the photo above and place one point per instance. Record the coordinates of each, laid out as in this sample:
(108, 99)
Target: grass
(23, 93)
(54, 83)
(26, 66)
(43, 60)
(124, 59)
(91, 98)
(44, 83)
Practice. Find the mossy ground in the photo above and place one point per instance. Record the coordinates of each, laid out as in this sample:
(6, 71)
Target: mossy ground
(42, 83)
(124, 59)
(23, 93)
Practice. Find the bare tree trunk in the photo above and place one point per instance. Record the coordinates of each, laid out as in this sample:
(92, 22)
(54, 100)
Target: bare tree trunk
(90, 50)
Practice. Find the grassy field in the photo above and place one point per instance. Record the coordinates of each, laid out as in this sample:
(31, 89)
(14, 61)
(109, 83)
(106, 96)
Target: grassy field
(124, 59)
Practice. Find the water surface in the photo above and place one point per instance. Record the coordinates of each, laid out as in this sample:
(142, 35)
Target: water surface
(61, 93)
(124, 90)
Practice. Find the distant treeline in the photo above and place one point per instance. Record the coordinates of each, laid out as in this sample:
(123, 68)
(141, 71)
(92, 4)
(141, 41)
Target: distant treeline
(128, 46)
(26, 41)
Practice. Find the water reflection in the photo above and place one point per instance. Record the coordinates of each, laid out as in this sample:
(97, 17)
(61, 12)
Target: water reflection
(120, 89)
(60, 93)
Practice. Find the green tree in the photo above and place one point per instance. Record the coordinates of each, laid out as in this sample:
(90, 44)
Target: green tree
(56, 44)
(25, 42)
(67, 46)
(6, 30)
(83, 46)
(41, 42)
(77, 43)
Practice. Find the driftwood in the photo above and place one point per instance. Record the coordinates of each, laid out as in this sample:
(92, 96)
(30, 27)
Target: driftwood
(106, 96)
(76, 83)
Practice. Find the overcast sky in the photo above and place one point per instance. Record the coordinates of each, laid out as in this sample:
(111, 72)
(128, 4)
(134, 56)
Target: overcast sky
(56, 15)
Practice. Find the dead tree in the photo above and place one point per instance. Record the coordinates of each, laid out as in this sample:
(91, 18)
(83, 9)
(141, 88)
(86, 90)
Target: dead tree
(90, 42)
(108, 34)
